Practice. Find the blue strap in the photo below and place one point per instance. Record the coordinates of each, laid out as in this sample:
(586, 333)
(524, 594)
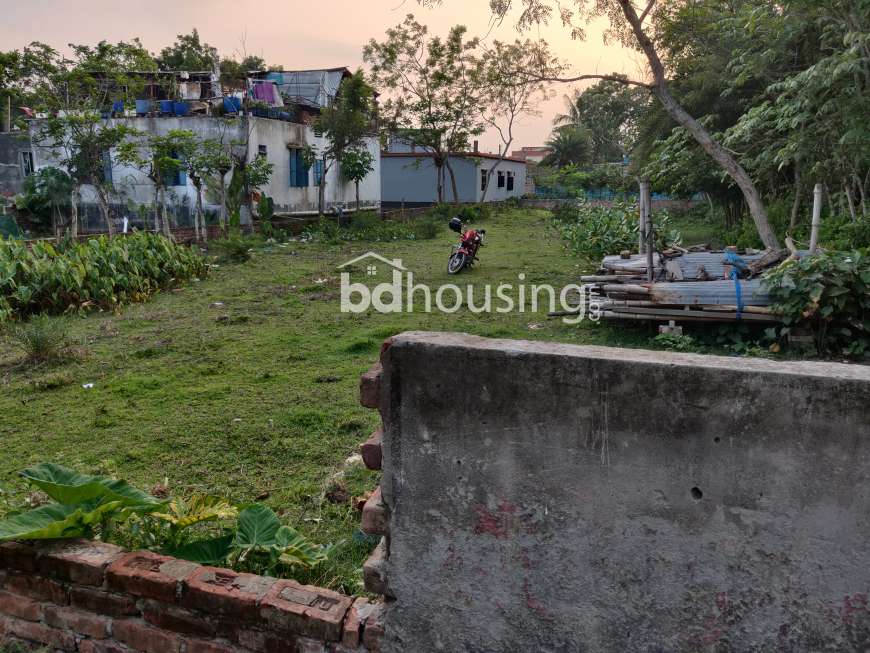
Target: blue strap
(738, 265)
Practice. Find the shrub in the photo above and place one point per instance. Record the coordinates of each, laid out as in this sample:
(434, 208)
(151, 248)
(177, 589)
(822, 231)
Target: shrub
(235, 248)
(830, 292)
(369, 226)
(595, 231)
(426, 228)
(42, 337)
(843, 233)
(100, 272)
(465, 212)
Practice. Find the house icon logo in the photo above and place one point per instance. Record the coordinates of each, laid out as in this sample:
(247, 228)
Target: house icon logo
(371, 260)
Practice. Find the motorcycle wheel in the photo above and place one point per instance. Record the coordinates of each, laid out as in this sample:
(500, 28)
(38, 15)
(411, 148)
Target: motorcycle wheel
(456, 262)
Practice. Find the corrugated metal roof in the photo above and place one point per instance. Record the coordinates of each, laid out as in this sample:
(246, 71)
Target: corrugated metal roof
(313, 88)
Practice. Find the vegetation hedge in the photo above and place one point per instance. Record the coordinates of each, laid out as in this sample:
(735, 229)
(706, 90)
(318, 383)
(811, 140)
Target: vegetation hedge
(99, 272)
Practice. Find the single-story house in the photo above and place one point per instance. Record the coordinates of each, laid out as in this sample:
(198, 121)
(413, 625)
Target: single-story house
(411, 179)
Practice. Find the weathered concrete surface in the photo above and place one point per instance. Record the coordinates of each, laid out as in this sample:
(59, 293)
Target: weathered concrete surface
(559, 498)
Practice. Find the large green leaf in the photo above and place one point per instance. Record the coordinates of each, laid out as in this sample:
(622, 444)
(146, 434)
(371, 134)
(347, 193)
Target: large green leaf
(258, 526)
(206, 552)
(296, 550)
(54, 520)
(70, 487)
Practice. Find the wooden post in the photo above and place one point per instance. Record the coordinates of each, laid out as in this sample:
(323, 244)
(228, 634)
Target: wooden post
(817, 218)
(641, 231)
(646, 224)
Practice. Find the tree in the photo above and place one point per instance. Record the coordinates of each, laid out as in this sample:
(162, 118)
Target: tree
(188, 53)
(234, 74)
(207, 160)
(345, 122)
(433, 92)
(76, 93)
(571, 144)
(631, 26)
(44, 194)
(503, 100)
(356, 163)
(611, 111)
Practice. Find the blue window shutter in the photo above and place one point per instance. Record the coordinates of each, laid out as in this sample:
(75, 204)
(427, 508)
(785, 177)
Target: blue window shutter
(318, 171)
(302, 170)
(293, 167)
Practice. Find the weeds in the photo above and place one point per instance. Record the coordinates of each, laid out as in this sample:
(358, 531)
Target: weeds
(42, 338)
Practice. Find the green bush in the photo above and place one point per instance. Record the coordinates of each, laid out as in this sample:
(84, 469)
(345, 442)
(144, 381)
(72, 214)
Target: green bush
(235, 248)
(370, 227)
(99, 272)
(843, 233)
(595, 231)
(829, 292)
(466, 212)
(41, 338)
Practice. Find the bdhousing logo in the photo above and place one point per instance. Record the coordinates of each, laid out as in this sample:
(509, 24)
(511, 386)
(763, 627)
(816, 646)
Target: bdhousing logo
(402, 295)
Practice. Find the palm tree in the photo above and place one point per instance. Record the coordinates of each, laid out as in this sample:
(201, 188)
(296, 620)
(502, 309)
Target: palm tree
(572, 115)
(570, 144)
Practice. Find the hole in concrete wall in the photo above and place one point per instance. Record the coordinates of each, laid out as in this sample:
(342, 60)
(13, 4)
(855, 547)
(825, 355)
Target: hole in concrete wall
(717, 439)
(697, 495)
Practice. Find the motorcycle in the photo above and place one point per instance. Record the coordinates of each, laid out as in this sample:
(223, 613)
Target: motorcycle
(465, 254)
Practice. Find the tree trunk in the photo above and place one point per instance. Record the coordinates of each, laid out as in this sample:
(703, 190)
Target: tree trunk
(198, 213)
(715, 150)
(452, 181)
(104, 208)
(439, 179)
(862, 194)
(156, 208)
(74, 211)
(796, 205)
(222, 216)
(848, 193)
(164, 215)
(356, 184)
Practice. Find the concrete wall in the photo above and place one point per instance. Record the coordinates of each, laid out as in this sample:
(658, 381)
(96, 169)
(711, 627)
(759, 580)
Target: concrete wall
(412, 180)
(11, 173)
(544, 497)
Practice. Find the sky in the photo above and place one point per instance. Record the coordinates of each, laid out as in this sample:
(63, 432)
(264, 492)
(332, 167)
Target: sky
(301, 35)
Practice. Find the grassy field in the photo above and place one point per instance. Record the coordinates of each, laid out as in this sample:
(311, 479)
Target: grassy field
(245, 384)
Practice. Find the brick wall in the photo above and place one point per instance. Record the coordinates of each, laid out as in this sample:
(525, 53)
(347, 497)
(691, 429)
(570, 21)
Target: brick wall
(90, 597)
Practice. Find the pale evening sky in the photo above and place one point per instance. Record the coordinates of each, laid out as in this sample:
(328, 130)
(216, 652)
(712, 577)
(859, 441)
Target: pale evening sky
(298, 35)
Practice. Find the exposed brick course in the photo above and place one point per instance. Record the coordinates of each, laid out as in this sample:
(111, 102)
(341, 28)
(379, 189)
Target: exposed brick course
(225, 592)
(78, 561)
(375, 515)
(370, 387)
(371, 450)
(149, 575)
(305, 610)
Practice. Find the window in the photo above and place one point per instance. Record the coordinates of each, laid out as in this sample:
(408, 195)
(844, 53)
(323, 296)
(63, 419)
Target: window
(261, 150)
(482, 179)
(510, 180)
(178, 177)
(298, 169)
(501, 179)
(318, 171)
(26, 163)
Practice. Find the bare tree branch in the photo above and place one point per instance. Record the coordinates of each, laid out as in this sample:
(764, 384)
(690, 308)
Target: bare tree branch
(646, 11)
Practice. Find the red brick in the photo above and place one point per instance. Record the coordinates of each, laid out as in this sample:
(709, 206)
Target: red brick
(375, 515)
(102, 646)
(225, 592)
(370, 387)
(373, 631)
(375, 570)
(176, 619)
(37, 632)
(37, 587)
(311, 646)
(20, 606)
(371, 450)
(351, 632)
(203, 646)
(15, 555)
(266, 642)
(99, 602)
(78, 561)
(305, 610)
(149, 575)
(138, 635)
(78, 621)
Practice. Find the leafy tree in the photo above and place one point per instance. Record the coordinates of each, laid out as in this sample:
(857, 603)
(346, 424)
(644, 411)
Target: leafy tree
(356, 163)
(188, 53)
(44, 194)
(638, 28)
(432, 86)
(570, 144)
(503, 98)
(611, 111)
(235, 73)
(345, 123)
(207, 160)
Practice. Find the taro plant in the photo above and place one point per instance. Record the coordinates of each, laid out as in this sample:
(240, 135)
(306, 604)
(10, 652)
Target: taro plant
(204, 529)
(830, 293)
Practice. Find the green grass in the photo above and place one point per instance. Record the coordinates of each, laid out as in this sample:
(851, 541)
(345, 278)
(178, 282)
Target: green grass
(258, 397)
